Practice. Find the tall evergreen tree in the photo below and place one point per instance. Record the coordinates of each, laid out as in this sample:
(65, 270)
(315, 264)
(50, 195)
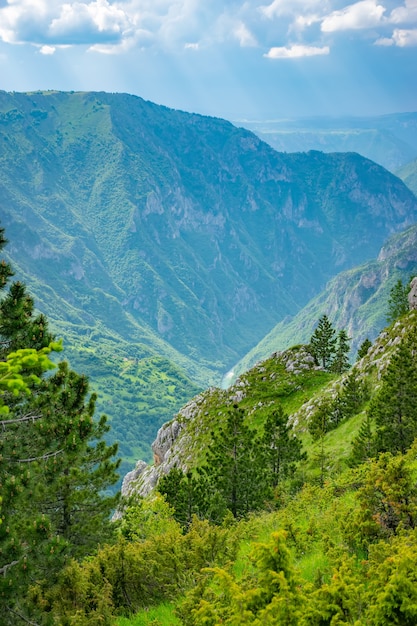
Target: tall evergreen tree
(363, 446)
(364, 347)
(353, 395)
(54, 464)
(398, 301)
(323, 342)
(394, 408)
(340, 362)
(280, 446)
(185, 494)
(233, 467)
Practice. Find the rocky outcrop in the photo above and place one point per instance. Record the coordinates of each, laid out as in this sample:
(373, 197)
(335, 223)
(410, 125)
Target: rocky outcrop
(169, 450)
(412, 296)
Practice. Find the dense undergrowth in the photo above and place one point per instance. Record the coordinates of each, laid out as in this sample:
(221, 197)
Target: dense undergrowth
(335, 544)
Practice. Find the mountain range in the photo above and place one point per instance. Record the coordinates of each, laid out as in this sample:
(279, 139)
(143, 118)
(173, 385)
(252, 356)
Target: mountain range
(164, 245)
(389, 140)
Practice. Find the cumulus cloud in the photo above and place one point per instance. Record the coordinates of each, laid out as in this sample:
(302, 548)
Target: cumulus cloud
(279, 8)
(296, 51)
(405, 14)
(50, 22)
(403, 38)
(305, 21)
(361, 15)
(114, 26)
(86, 23)
(47, 50)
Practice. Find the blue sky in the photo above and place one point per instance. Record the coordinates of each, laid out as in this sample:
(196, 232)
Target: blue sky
(239, 59)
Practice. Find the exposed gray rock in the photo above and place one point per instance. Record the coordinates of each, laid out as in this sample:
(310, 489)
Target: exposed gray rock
(412, 296)
(168, 449)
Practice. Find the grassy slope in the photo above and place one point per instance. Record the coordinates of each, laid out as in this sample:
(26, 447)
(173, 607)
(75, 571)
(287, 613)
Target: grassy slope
(315, 517)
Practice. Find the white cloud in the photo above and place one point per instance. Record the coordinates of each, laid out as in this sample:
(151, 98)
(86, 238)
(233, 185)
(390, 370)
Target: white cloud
(54, 22)
(406, 14)
(115, 26)
(279, 8)
(244, 36)
(364, 14)
(86, 23)
(47, 50)
(384, 41)
(296, 51)
(22, 20)
(405, 38)
(304, 21)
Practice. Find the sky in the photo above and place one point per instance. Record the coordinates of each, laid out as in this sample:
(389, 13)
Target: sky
(236, 59)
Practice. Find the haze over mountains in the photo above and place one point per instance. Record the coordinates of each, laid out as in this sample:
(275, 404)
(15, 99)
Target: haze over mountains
(165, 245)
(390, 140)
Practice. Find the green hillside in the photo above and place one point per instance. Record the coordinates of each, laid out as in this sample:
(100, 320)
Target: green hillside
(336, 541)
(355, 300)
(172, 240)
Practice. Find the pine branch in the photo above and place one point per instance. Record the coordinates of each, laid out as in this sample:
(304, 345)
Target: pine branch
(43, 457)
(22, 617)
(19, 420)
(3, 570)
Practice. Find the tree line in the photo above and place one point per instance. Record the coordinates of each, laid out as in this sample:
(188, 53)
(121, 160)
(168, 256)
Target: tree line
(55, 466)
(56, 470)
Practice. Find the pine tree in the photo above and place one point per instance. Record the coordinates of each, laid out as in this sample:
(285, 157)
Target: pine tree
(394, 408)
(363, 446)
(54, 464)
(74, 480)
(319, 425)
(320, 421)
(353, 395)
(340, 362)
(323, 342)
(280, 447)
(363, 348)
(398, 301)
(19, 327)
(185, 494)
(233, 468)
(5, 269)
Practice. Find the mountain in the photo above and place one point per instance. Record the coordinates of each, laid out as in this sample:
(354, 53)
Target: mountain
(356, 300)
(287, 378)
(408, 173)
(389, 140)
(331, 536)
(163, 245)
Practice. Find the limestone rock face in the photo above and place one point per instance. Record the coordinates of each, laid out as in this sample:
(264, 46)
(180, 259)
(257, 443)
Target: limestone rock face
(412, 296)
(168, 449)
(164, 441)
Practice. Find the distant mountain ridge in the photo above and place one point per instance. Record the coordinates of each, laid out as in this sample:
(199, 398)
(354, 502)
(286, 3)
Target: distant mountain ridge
(146, 233)
(408, 173)
(356, 300)
(390, 140)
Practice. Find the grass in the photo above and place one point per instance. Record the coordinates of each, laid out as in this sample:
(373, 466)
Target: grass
(161, 615)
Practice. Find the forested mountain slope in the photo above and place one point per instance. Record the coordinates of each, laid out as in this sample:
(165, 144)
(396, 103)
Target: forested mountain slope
(355, 300)
(146, 234)
(302, 536)
(131, 210)
(291, 379)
